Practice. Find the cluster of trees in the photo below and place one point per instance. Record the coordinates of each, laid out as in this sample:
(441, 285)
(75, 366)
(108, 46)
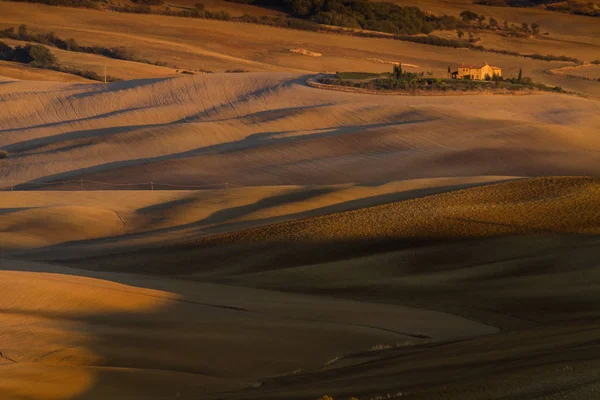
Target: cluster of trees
(588, 8)
(94, 4)
(35, 54)
(515, 3)
(472, 18)
(40, 56)
(583, 7)
(408, 81)
(363, 14)
(51, 39)
(149, 2)
(198, 11)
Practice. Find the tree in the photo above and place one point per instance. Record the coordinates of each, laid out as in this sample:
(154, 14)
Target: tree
(225, 16)
(398, 72)
(535, 28)
(468, 16)
(506, 27)
(520, 78)
(460, 34)
(149, 2)
(71, 44)
(493, 23)
(480, 19)
(21, 54)
(199, 6)
(525, 27)
(40, 55)
(22, 32)
(34, 54)
(301, 8)
(6, 52)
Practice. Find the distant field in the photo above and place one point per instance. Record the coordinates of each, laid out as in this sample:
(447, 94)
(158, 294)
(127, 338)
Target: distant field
(566, 26)
(18, 71)
(91, 62)
(196, 44)
(591, 71)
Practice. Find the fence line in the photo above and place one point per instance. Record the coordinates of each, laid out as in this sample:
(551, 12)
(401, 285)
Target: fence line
(84, 184)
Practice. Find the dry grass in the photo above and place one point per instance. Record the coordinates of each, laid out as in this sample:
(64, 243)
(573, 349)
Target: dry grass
(196, 45)
(10, 71)
(510, 268)
(498, 253)
(271, 129)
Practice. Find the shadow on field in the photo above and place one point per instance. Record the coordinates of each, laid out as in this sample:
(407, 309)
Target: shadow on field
(543, 292)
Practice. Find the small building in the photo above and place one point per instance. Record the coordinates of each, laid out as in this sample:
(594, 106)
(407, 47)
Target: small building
(484, 73)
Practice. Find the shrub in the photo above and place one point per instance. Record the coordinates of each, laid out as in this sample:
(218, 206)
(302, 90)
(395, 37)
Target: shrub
(6, 52)
(149, 2)
(356, 75)
(469, 16)
(65, 3)
(51, 39)
(40, 55)
(3, 154)
(34, 54)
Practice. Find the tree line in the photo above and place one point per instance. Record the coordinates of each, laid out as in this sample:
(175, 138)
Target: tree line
(39, 56)
(70, 44)
(363, 14)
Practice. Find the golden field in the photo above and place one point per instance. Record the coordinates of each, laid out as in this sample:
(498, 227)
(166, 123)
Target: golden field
(246, 236)
(198, 44)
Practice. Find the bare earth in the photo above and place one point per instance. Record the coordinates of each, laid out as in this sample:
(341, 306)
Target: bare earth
(246, 236)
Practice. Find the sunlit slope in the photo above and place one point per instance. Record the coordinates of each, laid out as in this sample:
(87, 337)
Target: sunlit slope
(11, 71)
(266, 129)
(431, 249)
(39, 227)
(70, 223)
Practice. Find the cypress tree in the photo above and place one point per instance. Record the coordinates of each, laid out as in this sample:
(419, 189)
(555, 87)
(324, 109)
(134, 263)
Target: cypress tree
(520, 75)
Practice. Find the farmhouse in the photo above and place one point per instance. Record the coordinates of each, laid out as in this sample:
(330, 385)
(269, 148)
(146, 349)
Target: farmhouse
(484, 73)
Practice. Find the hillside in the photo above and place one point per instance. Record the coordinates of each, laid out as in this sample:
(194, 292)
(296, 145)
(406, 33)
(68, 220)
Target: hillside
(200, 44)
(334, 297)
(214, 225)
(272, 129)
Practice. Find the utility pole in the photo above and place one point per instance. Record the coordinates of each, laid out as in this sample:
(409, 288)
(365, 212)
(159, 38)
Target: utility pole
(152, 185)
(81, 184)
(104, 73)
